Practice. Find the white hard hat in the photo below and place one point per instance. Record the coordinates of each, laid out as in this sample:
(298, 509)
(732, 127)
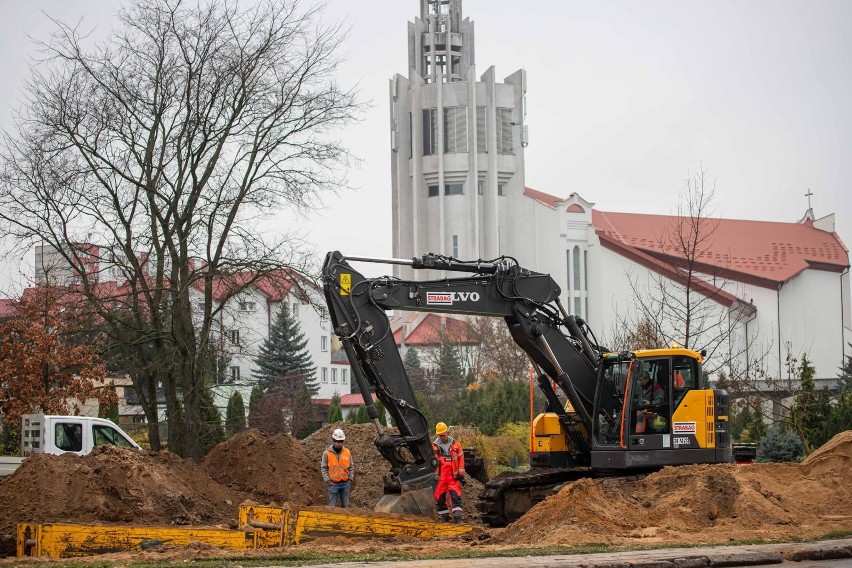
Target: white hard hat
(338, 435)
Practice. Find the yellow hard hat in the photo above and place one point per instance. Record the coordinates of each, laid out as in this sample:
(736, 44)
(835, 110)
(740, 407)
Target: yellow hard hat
(440, 428)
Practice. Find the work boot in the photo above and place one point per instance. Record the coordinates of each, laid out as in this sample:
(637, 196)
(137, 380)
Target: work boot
(457, 517)
(445, 518)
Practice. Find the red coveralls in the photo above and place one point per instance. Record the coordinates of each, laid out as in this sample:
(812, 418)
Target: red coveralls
(450, 470)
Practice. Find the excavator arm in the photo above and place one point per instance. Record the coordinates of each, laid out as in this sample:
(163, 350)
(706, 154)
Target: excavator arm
(559, 345)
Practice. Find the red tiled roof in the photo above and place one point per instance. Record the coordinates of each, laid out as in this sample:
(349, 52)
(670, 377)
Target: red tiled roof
(346, 400)
(762, 253)
(759, 252)
(428, 332)
(541, 197)
(276, 285)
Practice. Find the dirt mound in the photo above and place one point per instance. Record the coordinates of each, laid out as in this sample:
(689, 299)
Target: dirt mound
(271, 468)
(700, 504)
(371, 467)
(113, 485)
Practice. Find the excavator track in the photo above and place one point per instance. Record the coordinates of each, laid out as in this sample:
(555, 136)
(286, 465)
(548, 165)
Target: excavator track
(509, 496)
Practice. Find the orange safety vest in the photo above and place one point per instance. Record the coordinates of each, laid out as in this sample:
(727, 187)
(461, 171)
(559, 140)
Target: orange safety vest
(338, 468)
(456, 458)
(678, 380)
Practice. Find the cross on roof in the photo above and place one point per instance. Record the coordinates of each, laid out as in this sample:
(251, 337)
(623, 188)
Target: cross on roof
(808, 195)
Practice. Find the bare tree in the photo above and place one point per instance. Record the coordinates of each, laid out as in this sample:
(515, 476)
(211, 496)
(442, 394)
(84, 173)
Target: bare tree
(688, 301)
(154, 156)
(497, 353)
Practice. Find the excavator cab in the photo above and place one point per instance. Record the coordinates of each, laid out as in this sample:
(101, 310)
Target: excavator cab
(651, 411)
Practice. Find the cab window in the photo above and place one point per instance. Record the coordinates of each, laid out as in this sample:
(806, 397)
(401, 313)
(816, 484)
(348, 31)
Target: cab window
(684, 377)
(104, 435)
(68, 437)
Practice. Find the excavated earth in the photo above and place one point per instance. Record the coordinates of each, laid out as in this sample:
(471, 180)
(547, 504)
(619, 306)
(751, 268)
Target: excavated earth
(679, 505)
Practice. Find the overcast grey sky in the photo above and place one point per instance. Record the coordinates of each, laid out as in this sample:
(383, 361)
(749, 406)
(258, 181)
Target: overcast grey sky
(624, 100)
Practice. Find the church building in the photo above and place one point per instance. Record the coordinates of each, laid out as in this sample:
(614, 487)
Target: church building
(760, 292)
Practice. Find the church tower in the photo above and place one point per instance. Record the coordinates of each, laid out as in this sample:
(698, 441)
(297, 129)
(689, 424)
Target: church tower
(457, 146)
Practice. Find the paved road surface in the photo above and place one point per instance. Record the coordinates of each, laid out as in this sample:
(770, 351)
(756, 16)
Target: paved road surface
(823, 554)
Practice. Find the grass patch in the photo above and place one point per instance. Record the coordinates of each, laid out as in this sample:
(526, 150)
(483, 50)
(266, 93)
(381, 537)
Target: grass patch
(308, 558)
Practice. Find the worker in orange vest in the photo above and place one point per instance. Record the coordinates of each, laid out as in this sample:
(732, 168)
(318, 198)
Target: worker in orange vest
(450, 473)
(337, 470)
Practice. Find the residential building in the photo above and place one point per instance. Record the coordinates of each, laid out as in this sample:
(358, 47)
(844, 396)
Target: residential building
(242, 323)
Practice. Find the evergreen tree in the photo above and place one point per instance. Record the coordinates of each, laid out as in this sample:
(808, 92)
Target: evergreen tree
(840, 418)
(335, 413)
(254, 405)
(302, 422)
(450, 370)
(361, 416)
(780, 446)
(283, 361)
(414, 370)
(810, 410)
(845, 376)
(110, 410)
(210, 431)
(235, 416)
(755, 428)
(383, 418)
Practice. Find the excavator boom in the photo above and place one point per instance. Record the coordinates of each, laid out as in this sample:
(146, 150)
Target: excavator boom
(527, 301)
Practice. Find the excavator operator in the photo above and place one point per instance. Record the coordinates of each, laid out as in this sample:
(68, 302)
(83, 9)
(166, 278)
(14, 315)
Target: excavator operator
(450, 473)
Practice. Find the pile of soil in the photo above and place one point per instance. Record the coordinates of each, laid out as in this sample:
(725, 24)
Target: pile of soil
(113, 485)
(700, 504)
(274, 469)
(371, 467)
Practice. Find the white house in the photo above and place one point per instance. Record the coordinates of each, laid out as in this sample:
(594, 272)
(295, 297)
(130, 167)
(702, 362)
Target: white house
(244, 324)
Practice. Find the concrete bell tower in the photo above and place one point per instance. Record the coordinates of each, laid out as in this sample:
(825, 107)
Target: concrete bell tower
(457, 146)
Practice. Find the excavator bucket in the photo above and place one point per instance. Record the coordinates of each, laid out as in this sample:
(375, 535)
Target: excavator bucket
(417, 502)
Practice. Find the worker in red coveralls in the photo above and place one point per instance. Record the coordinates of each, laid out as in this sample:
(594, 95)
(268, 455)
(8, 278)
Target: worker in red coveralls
(450, 472)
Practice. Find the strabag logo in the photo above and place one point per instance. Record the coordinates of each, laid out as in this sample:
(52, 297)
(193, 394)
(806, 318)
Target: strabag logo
(684, 427)
(447, 298)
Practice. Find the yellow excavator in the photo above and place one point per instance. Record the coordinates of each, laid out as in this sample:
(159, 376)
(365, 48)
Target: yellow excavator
(623, 414)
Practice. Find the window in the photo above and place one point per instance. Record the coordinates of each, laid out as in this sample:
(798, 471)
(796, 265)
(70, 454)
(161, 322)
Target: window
(449, 189)
(296, 309)
(576, 263)
(324, 343)
(504, 131)
(234, 336)
(430, 131)
(343, 377)
(500, 189)
(455, 130)
(248, 306)
(479, 188)
(334, 376)
(107, 436)
(235, 373)
(324, 375)
(481, 124)
(455, 246)
(68, 437)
